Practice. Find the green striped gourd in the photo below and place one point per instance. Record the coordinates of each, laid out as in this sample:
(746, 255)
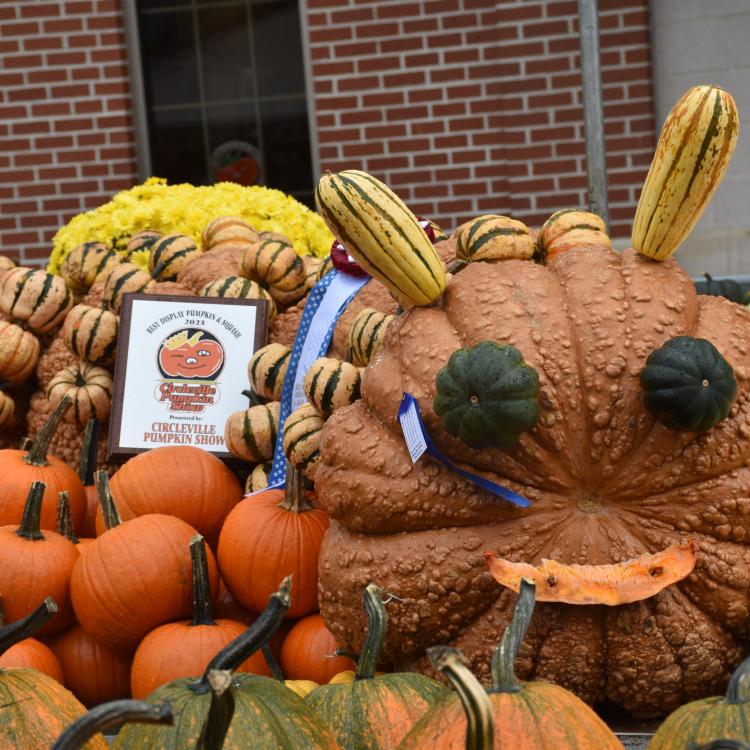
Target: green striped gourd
(438, 231)
(258, 477)
(169, 255)
(7, 408)
(570, 228)
(330, 384)
(91, 334)
(251, 434)
(493, 238)
(238, 287)
(325, 267)
(275, 265)
(141, 241)
(88, 387)
(312, 270)
(301, 439)
(227, 231)
(125, 279)
(696, 143)
(382, 234)
(19, 353)
(367, 334)
(85, 263)
(35, 297)
(267, 369)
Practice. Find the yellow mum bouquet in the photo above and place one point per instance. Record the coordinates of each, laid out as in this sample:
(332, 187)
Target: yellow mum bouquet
(187, 209)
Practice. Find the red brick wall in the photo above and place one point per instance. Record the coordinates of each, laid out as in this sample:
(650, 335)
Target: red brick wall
(66, 134)
(474, 106)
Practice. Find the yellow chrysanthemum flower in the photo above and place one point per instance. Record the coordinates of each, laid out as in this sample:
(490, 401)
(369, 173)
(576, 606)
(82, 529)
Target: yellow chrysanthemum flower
(187, 209)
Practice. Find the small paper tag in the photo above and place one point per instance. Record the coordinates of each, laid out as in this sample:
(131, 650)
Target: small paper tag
(412, 428)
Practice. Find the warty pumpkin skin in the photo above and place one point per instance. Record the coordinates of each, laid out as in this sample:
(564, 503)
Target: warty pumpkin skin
(606, 481)
(34, 708)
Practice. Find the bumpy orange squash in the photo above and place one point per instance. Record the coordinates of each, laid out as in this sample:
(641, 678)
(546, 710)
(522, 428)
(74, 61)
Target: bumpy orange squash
(606, 481)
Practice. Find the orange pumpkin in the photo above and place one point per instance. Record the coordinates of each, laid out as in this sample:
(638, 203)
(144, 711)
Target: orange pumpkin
(134, 577)
(93, 672)
(30, 654)
(178, 480)
(308, 652)
(35, 564)
(19, 468)
(34, 708)
(184, 649)
(269, 536)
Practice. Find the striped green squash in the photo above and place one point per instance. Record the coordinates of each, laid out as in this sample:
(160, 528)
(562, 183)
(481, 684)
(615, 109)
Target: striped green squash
(169, 255)
(301, 439)
(275, 265)
(141, 241)
(694, 148)
(251, 434)
(438, 231)
(330, 384)
(19, 353)
(226, 231)
(91, 334)
(494, 238)
(267, 369)
(382, 235)
(570, 228)
(367, 334)
(238, 287)
(258, 477)
(36, 298)
(88, 387)
(125, 279)
(85, 263)
(312, 270)
(325, 267)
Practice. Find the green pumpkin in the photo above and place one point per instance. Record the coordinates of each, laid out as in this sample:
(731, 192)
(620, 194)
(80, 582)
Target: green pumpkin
(688, 385)
(374, 712)
(728, 288)
(724, 717)
(266, 714)
(487, 395)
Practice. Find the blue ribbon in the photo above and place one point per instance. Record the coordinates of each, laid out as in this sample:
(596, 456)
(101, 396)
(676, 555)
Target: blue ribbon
(410, 408)
(314, 300)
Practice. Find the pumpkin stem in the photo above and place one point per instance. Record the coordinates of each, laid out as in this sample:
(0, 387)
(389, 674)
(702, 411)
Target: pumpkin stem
(25, 443)
(273, 664)
(3, 623)
(377, 627)
(295, 499)
(37, 455)
(254, 398)
(109, 715)
(503, 660)
(738, 688)
(32, 511)
(220, 713)
(456, 265)
(64, 521)
(26, 626)
(88, 453)
(479, 728)
(246, 644)
(109, 508)
(202, 614)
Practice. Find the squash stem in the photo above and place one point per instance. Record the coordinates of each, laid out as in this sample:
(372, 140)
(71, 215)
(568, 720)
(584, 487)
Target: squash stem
(377, 627)
(32, 511)
(37, 455)
(294, 491)
(26, 626)
(25, 443)
(109, 715)
(220, 713)
(246, 644)
(738, 689)
(722, 744)
(89, 448)
(480, 727)
(202, 614)
(504, 678)
(64, 521)
(107, 502)
(253, 398)
(273, 664)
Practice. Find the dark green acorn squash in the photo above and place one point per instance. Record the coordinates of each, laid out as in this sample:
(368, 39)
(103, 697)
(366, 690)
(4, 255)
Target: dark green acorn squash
(727, 288)
(688, 384)
(487, 395)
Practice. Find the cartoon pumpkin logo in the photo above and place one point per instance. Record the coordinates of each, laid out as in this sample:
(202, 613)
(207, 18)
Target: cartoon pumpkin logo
(191, 354)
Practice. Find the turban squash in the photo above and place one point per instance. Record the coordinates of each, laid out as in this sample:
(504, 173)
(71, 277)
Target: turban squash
(607, 483)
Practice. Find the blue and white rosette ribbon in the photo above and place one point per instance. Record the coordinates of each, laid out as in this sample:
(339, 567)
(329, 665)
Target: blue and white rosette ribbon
(419, 442)
(325, 303)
